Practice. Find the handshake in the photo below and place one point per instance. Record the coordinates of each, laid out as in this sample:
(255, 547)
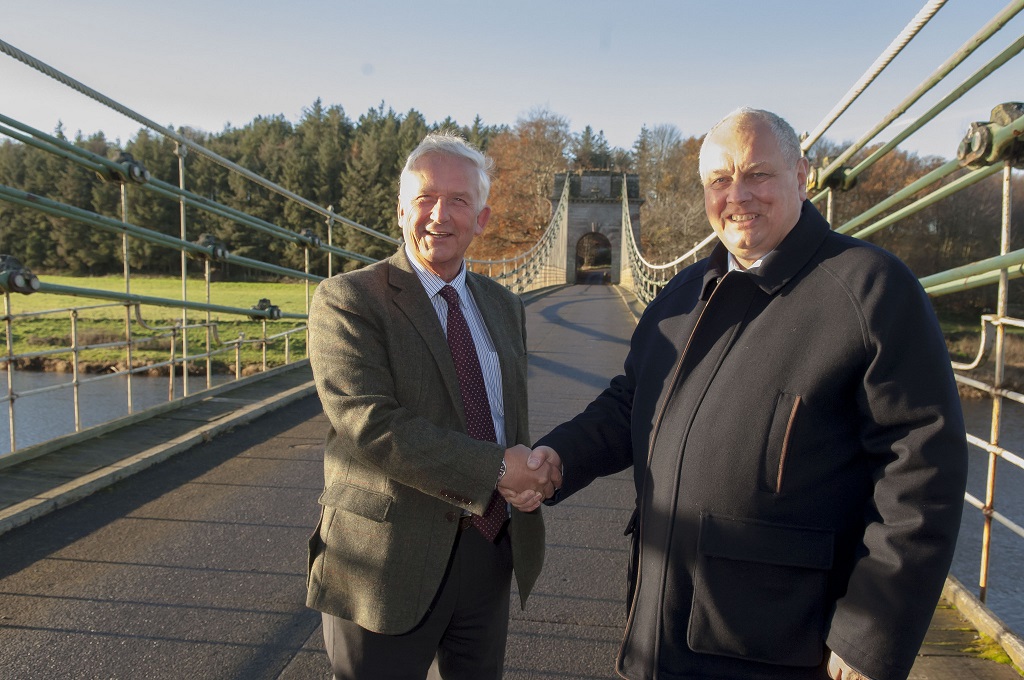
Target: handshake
(530, 476)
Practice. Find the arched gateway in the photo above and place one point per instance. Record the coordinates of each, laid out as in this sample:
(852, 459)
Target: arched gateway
(594, 224)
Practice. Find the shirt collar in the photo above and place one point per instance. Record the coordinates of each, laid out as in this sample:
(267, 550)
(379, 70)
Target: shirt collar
(432, 283)
(734, 264)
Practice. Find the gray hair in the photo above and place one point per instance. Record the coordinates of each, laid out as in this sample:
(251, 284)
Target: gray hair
(449, 143)
(785, 135)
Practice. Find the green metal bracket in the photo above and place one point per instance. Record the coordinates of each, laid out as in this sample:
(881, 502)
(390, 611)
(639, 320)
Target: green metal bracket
(840, 179)
(311, 239)
(982, 146)
(272, 312)
(15, 277)
(126, 169)
(215, 250)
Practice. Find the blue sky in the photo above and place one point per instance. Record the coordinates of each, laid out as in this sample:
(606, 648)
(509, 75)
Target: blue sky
(613, 65)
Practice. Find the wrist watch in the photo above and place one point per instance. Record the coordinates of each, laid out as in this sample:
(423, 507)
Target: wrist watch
(501, 470)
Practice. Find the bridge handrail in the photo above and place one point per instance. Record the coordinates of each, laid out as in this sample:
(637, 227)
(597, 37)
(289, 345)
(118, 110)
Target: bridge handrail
(67, 80)
(647, 278)
(547, 254)
(940, 106)
(133, 177)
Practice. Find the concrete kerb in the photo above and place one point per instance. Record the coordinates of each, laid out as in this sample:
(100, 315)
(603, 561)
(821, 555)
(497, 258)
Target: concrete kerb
(983, 619)
(537, 293)
(633, 304)
(77, 489)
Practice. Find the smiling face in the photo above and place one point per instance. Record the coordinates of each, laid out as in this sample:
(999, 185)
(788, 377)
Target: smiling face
(752, 192)
(439, 211)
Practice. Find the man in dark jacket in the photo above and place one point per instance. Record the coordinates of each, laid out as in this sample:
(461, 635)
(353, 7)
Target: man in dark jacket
(799, 453)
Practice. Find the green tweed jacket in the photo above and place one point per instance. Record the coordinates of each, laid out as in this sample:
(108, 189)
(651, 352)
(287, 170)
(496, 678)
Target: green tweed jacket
(399, 467)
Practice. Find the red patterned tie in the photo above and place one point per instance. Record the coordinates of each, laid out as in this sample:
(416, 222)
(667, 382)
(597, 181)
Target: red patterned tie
(474, 402)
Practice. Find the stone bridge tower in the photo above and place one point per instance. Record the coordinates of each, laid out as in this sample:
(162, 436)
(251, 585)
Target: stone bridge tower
(594, 229)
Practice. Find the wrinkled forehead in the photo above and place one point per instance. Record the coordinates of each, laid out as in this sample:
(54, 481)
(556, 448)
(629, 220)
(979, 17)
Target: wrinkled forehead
(440, 169)
(740, 145)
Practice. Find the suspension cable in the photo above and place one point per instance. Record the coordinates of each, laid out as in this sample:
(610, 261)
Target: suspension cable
(895, 47)
(67, 80)
(958, 57)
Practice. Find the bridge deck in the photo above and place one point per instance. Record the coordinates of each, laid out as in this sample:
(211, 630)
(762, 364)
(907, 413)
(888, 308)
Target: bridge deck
(195, 567)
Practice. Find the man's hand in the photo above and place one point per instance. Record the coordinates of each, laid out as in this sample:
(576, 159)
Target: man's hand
(840, 670)
(529, 477)
(546, 455)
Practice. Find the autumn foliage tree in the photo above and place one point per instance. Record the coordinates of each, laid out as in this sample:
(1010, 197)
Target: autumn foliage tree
(672, 218)
(526, 159)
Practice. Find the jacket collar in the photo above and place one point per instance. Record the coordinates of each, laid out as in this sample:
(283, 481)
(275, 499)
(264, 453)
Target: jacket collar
(780, 265)
(412, 299)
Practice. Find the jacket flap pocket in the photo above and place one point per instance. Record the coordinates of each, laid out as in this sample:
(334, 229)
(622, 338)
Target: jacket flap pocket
(756, 541)
(363, 502)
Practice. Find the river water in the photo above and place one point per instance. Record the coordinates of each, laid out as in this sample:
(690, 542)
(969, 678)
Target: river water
(41, 417)
(1005, 596)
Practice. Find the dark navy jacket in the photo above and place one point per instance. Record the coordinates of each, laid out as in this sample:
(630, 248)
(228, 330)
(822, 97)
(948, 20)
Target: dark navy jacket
(800, 462)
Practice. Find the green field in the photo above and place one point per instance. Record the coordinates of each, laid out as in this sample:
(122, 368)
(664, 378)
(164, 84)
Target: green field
(41, 322)
(290, 297)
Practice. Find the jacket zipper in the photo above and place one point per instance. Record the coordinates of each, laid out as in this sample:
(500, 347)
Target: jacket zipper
(639, 518)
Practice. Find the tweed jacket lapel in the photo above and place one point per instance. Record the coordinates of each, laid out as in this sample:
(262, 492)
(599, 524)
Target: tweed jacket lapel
(409, 296)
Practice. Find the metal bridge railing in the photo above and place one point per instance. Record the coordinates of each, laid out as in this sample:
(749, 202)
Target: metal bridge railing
(645, 278)
(542, 265)
(145, 317)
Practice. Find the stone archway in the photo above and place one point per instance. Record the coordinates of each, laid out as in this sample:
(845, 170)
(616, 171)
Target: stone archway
(595, 207)
(593, 259)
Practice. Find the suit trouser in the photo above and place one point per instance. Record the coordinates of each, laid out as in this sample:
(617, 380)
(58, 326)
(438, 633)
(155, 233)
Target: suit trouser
(462, 637)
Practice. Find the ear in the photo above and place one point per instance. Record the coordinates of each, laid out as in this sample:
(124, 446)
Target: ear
(481, 220)
(803, 168)
(401, 212)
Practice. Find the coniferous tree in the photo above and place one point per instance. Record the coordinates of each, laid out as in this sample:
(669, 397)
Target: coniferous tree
(262, 148)
(371, 183)
(150, 210)
(590, 151)
(315, 171)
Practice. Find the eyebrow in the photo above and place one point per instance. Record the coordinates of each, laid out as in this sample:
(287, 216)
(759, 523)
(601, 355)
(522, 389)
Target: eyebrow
(756, 165)
(431, 191)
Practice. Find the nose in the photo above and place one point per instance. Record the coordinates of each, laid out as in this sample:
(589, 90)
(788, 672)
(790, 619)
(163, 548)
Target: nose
(739, 192)
(439, 213)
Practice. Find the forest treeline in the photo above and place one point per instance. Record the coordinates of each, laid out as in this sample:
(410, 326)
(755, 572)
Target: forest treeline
(353, 166)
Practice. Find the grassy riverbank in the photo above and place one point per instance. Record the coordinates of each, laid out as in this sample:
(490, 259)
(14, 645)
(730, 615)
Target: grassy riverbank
(46, 330)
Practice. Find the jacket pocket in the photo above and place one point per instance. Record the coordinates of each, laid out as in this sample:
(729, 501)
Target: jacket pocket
(759, 591)
(773, 462)
(314, 548)
(633, 566)
(357, 500)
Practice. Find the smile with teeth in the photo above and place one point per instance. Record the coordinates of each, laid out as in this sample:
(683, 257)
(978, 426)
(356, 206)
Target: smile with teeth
(743, 218)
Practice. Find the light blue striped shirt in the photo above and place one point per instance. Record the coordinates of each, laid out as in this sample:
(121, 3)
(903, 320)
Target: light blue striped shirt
(432, 284)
